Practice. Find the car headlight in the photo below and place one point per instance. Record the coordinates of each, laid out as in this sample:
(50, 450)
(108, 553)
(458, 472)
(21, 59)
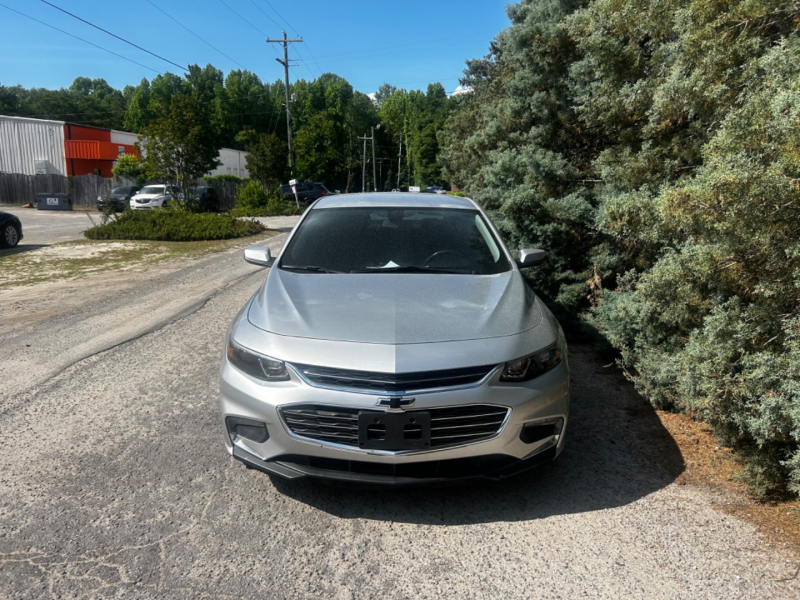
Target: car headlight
(256, 365)
(531, 366)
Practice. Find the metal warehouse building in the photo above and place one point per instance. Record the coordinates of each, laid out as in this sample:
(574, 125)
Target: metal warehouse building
(39, 147)
(32, 146)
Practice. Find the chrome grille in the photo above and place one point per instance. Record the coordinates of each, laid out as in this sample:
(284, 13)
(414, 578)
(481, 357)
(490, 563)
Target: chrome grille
(326, 424)
(449, 426)
(462, 424)
(393, 382)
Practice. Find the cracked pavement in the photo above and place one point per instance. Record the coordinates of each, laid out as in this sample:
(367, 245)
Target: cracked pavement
(114, 482)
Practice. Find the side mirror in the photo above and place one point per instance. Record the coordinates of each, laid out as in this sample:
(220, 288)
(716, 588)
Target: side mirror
(258, 255)
(530, 257)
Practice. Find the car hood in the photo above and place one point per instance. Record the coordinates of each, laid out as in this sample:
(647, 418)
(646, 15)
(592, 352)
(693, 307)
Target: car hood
(394, 308)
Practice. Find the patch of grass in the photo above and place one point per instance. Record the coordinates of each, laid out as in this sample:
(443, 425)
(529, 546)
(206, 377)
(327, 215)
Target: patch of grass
(70, 260)
(172, 226)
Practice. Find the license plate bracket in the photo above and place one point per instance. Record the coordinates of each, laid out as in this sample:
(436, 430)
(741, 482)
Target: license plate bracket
(394, 431)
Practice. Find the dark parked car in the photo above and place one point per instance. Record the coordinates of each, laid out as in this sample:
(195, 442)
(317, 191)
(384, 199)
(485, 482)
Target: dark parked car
(206, 198)
(306, 192)
(10, 230)
(119, 197)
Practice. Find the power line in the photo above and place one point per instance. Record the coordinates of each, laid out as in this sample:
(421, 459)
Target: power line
(206, 42)
(114, 35)
(281, 17)
(313, 58)
(81, 39)
(242, 18)
(303, 60)
(265, 13)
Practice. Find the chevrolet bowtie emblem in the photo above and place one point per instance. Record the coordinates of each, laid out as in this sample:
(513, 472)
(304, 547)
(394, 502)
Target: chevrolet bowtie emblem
(395, 403)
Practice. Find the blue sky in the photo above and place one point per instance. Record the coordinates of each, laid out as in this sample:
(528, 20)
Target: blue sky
(407, 43)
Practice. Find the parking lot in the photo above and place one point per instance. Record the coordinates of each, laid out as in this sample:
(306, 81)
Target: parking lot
(45, 227)
(115, 482)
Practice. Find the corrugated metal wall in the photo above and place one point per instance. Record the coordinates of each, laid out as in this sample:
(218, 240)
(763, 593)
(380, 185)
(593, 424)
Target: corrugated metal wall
(234, 162)
(123, 137)
(24, 141)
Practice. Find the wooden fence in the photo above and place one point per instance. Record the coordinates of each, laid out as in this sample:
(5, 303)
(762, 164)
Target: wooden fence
(16, 188)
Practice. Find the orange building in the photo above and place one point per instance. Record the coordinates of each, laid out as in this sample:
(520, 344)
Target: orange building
(92, 150)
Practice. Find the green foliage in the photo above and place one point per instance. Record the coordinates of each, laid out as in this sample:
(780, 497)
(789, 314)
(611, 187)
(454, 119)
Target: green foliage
(267, 159)
(253, 196)
(651, 147)
(274, 208)
(181, 146)
(240, 111)
(255, 201)
(212, 178)
(171, 226)
(129, 165)
(87, 101)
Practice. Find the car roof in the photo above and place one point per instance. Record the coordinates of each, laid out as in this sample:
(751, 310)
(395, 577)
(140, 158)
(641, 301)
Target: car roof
(394, 199)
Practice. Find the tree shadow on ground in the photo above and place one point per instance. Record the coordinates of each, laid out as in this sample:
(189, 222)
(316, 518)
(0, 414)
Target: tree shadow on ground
(617, 451)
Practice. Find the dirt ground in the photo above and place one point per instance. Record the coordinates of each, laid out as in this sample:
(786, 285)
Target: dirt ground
(712, 465)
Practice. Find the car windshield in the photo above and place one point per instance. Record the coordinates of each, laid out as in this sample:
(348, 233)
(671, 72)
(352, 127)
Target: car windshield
(120, 190)
(391, 240)
(152, 189)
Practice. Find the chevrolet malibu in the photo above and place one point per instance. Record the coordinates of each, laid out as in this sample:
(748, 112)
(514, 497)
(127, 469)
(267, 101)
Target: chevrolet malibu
(394, 341)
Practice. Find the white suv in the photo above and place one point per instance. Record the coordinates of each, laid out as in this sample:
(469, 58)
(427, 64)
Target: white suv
(154, 196)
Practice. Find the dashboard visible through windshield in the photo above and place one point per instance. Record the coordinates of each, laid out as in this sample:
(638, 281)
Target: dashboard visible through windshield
(394, 240)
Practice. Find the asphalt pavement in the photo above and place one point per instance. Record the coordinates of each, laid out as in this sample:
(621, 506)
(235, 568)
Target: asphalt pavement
(114, 482)
(45, 227)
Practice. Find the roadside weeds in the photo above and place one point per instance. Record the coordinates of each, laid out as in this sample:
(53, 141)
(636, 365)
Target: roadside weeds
(70, 260)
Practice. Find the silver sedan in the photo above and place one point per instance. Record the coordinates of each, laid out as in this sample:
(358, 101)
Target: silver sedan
(394, 341)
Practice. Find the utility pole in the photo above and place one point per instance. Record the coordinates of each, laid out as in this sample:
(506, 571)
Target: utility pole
(374, 179)
(380, 167)
(285, 63)
(364, 165)
(364, 160)
(399, 158)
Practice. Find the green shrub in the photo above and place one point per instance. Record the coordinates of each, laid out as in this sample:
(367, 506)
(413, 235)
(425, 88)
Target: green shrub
(172, 226)
(651, 147)
(253, 196)
(254, 201)
(274, 208)
(212, 178)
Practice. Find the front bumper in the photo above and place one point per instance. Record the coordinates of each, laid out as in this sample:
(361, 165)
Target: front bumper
(119, 204)
(287, 455)
(150, 204)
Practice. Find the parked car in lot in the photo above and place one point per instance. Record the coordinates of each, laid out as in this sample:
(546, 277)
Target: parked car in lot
(394, 341)
(119, 197)
(306, 192)
(206, 198)
(10, 230)
(434, 189)
(154, 196)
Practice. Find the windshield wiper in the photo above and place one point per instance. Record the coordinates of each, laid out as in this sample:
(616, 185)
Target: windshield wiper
(309, 268)
(413, 269)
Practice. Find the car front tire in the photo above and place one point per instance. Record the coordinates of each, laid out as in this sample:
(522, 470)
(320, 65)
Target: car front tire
(10, 236)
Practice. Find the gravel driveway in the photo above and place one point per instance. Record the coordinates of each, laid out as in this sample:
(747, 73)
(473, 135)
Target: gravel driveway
(114, 482)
